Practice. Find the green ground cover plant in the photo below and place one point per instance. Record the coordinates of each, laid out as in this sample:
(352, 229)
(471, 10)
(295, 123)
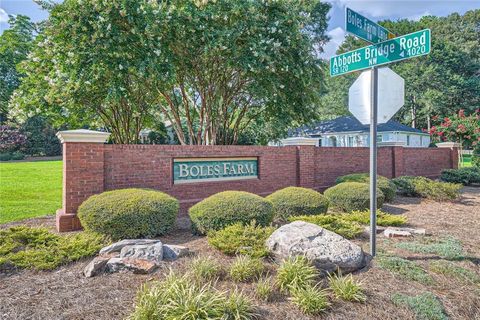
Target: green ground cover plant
(388, 187)
(241, 239)
(334, 223)
(383, 219)
(246, 268)
(296, 272)
(204, 269)
(229, 207)
(426, 306)
(29, 189)
(448, 248)
(129, 213)
(296, 201)
(450, 269)
(311, 300)
(177, 297)
(39, 249)
(427, 188)
(350, 196)
(405, 268)
(346, 288)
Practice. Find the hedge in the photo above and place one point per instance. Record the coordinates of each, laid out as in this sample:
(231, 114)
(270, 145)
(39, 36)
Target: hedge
(427, 188)
(465, 176)
(386, 185)
(296, 201)
(129, 213)
(226, 208)
(350, 196)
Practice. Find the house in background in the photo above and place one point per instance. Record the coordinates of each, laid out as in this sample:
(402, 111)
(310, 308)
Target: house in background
(347, 131)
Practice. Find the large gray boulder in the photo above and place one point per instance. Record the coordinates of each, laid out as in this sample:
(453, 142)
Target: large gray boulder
(327, 250)
(150, 252)
(117, 246)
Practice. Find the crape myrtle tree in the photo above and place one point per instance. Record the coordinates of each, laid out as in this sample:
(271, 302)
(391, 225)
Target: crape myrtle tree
(210, 67)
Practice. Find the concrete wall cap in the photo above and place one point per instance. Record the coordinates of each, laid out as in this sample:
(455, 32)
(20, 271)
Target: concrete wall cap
(391, 144)
(448, 145)
(83, 135)
(300, 141)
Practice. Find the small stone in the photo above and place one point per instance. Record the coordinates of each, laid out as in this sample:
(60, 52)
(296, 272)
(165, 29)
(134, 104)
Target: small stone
(173, 252)
(149, 252)
(379, 229)
(393, 232)
(138, 266)
(95, 267)
(117, 246)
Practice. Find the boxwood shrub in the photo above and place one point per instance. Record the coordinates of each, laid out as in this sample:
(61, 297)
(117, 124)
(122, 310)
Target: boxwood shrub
(129, 213)
(388, 188)
(465, 176)
(226, 208)
(350, 196)
(295, 201)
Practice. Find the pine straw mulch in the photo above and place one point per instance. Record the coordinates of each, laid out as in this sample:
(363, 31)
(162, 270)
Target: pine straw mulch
(65, 294)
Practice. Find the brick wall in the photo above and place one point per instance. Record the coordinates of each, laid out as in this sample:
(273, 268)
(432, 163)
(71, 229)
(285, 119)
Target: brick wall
(91, 168)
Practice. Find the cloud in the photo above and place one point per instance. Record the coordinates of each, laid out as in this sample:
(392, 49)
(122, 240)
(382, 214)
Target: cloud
(3, 15)
(337, 36)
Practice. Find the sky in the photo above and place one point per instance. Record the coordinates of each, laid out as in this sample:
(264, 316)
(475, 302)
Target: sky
(373, 9)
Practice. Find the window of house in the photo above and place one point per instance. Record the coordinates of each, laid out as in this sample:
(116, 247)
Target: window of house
(379, 138)
(333, 141)
(350, 141)
(408, 139)
(421, 140)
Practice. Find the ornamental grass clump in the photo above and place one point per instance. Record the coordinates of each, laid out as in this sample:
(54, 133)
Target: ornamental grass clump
(296, 201)
(296, 272)
(265, 288)
(350, 196)
(346, 288)
(245, 268)
(229, 207)
(129, 213)
(237, 306)
(203, 269)
(241, 239)
(309, 299)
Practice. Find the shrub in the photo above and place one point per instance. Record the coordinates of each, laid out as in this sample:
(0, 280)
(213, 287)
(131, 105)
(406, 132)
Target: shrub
(239, 239)
(405, 268)
(427, 188)
(38, 248)
(334, 223)
(388, 187)
(129, 213)
(205, 269)
(295, 201)
(350, 196)
(41, 137)
(465, 176)
(246, 268)
(310, 299)
(264, 289)
(11, 139)
(17, 155)
(383, 219)
(5, 156)
(346, 288)
(476, 156)
(229, 207)
(296, 272)
(426, 306)
(238, 307)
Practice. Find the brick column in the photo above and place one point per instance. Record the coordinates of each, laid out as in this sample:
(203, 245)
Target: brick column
(306, 166)
(398, 161)
(454, 147)
(83, 176)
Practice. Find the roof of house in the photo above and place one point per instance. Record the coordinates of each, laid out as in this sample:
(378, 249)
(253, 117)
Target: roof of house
(349, 124)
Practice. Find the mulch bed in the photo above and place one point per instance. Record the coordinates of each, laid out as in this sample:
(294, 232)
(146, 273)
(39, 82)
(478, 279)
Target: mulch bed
(65, 294)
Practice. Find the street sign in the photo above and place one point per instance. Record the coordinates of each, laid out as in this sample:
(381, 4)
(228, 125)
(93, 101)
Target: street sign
(390, 95)
(365, 28)
(404, 47)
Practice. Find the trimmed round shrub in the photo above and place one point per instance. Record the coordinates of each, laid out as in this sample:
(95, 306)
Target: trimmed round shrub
(388, 188)
(295, 201)
(350, 196)
(405, 185)
(226, 208)
(129, 213)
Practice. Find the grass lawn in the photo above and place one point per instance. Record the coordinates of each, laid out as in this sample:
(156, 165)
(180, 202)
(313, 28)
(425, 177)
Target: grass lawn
(467, 160)
(29, 189)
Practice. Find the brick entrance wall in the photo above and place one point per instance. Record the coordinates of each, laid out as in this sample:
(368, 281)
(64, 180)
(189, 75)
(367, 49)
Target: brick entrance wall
(91, 168)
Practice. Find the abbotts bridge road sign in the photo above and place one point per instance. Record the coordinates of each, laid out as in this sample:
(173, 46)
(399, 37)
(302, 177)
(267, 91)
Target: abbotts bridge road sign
(404, 47)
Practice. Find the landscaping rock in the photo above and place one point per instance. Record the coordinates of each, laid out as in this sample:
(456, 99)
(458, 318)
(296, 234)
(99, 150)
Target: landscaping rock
(173, 252)
(392, 232)
(327, 250)
(96, 266)
(117, 246)
(150, 252)
(379, 229)
(138, 266)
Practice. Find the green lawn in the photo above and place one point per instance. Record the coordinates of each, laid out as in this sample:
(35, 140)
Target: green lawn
(29, 189)
(467, 160)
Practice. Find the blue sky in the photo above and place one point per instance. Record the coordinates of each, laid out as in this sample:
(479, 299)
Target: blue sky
(375, 10)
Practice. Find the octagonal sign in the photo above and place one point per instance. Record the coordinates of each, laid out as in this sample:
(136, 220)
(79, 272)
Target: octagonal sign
(391, 91)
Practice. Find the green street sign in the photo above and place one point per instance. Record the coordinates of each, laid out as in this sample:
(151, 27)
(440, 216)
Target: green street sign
(365, 28)
(404, 47)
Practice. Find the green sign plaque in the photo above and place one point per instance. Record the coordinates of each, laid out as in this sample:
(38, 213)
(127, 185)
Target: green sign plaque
(404, 47)
(365, 28)
(190, 170)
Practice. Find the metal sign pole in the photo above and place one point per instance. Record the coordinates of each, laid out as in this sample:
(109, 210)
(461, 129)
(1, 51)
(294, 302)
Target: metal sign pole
(373, 160)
